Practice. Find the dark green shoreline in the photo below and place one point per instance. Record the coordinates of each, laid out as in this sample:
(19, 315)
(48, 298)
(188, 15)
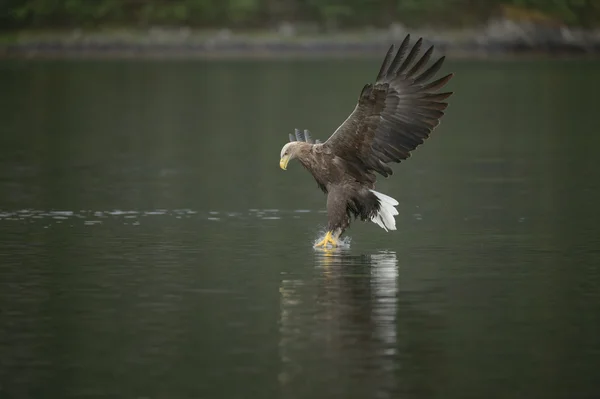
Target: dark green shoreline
(186, 44)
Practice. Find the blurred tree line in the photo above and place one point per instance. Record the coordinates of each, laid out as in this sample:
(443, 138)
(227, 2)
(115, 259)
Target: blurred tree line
(328, 14)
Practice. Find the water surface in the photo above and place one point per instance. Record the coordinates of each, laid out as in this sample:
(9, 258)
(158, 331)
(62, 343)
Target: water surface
(150, 246)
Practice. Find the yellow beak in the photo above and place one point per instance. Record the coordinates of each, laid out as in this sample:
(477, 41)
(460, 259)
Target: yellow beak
(284, 161)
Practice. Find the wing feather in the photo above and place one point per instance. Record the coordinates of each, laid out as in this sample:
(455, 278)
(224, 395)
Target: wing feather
(409, 59)
(394, 115)
(386, 62)
(430, 72)
(423, 61)
(438, 84)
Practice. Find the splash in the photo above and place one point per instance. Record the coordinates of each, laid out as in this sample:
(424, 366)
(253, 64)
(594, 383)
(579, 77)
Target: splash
(343, 242)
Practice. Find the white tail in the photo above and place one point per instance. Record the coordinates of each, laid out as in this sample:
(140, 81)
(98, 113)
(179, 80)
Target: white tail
(385, 217)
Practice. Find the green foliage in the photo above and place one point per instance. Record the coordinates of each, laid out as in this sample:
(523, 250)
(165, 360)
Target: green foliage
(240, 11)
(576, 12)
(328, 13)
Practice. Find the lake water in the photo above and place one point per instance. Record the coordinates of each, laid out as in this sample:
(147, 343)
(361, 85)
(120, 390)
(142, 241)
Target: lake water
(150, 246)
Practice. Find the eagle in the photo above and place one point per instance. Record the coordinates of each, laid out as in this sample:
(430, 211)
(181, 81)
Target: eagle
(393, 116)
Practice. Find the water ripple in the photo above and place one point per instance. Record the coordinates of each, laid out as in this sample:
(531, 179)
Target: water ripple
(97, 217)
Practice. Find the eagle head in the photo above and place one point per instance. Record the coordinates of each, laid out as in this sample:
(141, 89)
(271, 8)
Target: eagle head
(288, 152)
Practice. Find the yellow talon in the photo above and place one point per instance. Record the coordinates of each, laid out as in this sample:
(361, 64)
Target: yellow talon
(327, 240)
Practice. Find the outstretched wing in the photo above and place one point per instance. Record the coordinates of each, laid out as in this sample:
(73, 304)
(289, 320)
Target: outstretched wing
(394, 115)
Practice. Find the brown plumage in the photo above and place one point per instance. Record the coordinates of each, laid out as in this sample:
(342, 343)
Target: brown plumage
(393, 116)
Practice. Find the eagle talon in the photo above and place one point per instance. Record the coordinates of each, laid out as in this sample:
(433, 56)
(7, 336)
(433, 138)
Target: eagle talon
(327, 240)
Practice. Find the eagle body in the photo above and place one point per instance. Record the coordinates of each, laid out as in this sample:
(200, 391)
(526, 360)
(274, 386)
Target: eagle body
(393, 116)
(347, 195)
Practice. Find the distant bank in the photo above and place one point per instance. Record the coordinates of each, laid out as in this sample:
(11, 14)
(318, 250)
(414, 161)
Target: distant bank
(495, 40)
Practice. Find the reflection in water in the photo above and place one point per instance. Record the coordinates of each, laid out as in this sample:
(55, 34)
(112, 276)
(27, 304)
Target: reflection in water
(348, 320)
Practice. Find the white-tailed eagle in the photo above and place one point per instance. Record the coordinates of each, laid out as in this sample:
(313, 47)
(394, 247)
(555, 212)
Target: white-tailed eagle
(393, 116)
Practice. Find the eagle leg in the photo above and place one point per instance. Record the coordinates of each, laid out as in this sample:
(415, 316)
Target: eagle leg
(327, 240)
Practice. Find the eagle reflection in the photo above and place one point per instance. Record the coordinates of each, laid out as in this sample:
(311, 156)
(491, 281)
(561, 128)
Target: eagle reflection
(338, 329)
